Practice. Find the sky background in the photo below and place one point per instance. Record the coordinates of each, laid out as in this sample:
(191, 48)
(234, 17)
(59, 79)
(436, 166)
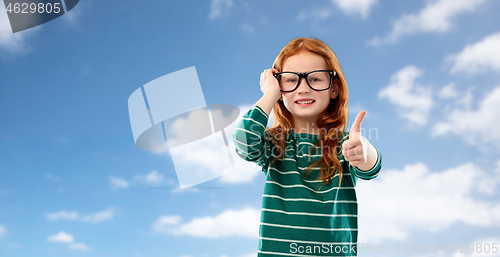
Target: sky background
(73, 183)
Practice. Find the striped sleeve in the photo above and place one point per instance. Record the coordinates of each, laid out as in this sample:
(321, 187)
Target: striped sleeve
(249, 140)
(371, 173)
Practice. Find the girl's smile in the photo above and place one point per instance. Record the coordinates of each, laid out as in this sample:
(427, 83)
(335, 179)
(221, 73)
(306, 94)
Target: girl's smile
(304, 102)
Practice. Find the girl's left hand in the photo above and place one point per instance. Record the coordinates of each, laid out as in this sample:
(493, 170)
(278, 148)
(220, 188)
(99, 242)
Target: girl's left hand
(356, 148)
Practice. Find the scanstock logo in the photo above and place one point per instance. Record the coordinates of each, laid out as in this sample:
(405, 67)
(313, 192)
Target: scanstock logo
(170, 113)
(26, 14)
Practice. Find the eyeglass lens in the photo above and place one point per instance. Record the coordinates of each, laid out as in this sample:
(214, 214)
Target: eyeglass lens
(318, 80)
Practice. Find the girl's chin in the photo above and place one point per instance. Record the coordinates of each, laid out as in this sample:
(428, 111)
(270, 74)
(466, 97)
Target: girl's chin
(304, 113)
(307, 109)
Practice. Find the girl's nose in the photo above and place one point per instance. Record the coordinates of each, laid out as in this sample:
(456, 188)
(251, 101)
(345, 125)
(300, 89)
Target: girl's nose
(303, 86)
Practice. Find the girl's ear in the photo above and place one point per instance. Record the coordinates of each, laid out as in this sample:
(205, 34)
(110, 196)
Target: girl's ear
(335, 90)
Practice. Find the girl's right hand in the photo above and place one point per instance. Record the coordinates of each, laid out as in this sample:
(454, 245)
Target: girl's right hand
(269, 84)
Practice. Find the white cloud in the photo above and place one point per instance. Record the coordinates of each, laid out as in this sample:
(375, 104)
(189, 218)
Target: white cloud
(3, 231)
(400, 202)
(73, 215)
(436, 16)
(466, 100)
(166, 221)
(412, 101)
(229, 223)
(79, 246)
(448, 91)
(152, 178)
(118, 182)
(478, 57)
(15, 43)
(361, 7)
(477, 127)
(219, 8)
(210, 152)
(98, 216)
(244, 173)
(184, 129)
(349, 7)
(63, 215)
(12, 43)
(62, 237)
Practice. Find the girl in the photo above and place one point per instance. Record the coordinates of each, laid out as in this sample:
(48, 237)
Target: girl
(309, 205)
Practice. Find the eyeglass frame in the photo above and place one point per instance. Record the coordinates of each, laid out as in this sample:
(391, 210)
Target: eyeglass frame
(333, 74)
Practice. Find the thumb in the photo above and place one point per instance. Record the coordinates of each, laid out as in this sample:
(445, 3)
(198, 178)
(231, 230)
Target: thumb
(356, 126)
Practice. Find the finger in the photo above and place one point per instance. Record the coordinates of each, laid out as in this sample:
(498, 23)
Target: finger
(359, 160)
(356, 126)
(351, 153)
(348, 154)
(355, 162)
(348, 144)
(346, 157)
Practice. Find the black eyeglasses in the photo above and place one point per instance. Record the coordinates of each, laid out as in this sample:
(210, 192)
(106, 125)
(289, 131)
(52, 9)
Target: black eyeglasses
(318, 80)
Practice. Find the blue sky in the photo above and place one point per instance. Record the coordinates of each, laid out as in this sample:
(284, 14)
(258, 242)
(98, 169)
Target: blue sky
(72, 182)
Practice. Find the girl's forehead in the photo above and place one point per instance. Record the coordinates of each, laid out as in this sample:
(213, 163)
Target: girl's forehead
(305, 61)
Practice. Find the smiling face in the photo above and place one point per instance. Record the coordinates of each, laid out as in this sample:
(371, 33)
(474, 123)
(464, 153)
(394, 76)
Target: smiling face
(302, 62)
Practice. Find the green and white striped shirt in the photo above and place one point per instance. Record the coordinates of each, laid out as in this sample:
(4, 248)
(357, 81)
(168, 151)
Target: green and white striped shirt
(298, 218)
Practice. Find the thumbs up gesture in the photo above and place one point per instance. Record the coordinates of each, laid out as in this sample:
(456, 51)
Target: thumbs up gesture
(357, 150)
